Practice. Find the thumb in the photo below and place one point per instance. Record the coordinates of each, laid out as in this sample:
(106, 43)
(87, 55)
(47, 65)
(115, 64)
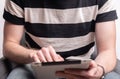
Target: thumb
(35, 58)
(92, 68)
(92, 64)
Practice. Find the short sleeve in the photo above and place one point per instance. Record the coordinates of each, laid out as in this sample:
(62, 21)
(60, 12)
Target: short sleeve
(107, 11)
(14, 12)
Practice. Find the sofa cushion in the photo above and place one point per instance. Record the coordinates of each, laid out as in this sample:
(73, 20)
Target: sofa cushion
(3, 69)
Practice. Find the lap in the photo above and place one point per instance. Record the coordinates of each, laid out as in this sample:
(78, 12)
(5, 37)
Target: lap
(26, 73)
(112, 75)
(21, 73)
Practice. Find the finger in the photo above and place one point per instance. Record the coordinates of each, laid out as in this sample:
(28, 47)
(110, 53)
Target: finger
(31, 57)
(92, 69)
(60, 58)
(41, 56)
(36, 59)
(62, 74)
(93, 64)
(82, 72)
(46, 54)
(97, 73)
(76, 71)
(53, 54)
(92, 73)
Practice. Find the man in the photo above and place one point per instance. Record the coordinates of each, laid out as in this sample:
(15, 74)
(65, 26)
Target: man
(56, 29)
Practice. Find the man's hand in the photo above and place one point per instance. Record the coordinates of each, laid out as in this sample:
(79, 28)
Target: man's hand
(93, 72)
(46, 54)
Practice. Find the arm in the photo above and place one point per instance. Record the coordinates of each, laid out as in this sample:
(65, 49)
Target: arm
(19, 54)
(105, 39)
(11, 46)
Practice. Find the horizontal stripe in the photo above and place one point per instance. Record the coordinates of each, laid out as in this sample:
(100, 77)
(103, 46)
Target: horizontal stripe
(14, 9)
(12, 18)
(107, 7)
(30, 43)
(64, 44)
(84, 52)
(55, 16)
(59, 4)
(108, 16)
(60, 30)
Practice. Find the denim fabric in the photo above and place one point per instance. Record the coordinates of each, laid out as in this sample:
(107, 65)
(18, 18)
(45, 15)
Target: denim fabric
(21, 73)
(112, 75)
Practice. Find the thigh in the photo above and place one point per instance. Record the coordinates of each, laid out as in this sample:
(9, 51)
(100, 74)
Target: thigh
(112, 75)
(21, 73)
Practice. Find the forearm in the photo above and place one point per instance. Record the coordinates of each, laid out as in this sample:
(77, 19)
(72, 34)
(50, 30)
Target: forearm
(17, 53)
(106, 44)
(107, 59)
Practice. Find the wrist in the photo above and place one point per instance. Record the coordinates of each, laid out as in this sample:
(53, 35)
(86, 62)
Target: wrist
(102, 72)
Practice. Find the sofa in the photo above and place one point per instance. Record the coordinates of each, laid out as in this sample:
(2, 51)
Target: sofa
(5, 68)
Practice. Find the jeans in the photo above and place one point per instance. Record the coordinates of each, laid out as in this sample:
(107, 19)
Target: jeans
(26, 73)
(112, 75)
(21, 73)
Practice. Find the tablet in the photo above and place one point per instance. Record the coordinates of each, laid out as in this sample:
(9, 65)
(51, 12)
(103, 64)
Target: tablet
(47, 70)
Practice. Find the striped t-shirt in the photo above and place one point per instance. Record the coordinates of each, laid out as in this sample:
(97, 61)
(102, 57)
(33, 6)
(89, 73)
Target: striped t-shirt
(67, 25)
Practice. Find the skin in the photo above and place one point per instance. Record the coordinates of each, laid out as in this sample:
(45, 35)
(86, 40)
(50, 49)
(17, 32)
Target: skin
(105, 39)
(19, 54)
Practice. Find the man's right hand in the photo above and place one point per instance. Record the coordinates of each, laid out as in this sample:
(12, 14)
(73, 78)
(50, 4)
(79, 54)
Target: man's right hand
(46, 54)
